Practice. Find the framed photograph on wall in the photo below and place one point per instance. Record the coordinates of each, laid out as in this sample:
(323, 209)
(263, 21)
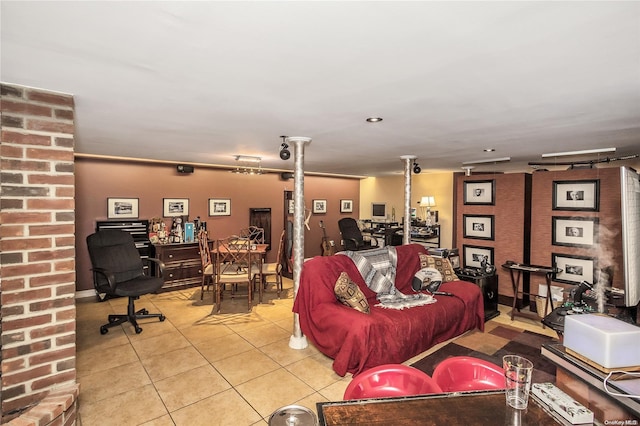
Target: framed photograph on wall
(346, 206)
(574, 269)
(123, 208)
(473, 256)
(319, 206)
(576, 195)
(290, 206)
(480, 227)
(175, 207)
(219, 207)
(481, 192)
(574, 231)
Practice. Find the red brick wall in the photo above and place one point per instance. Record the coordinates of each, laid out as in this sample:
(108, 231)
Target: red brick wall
(510, 211)
(609, 216)
(37, 229)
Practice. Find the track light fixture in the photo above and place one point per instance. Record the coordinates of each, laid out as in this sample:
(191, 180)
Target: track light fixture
(416, 168)
(285, 154)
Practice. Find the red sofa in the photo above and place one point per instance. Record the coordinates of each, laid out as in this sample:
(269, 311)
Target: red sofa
(358, 341)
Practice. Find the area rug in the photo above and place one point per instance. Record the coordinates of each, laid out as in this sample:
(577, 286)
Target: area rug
(491, 345)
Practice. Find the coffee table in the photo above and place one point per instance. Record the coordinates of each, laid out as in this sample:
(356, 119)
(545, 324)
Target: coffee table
(458, 408)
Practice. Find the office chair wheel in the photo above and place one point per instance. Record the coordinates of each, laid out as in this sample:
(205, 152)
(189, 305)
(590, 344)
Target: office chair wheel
(104, 330)
(162, 318)
(138, 330)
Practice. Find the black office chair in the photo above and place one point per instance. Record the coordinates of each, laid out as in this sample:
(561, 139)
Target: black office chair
(352, 236)
(118, 271)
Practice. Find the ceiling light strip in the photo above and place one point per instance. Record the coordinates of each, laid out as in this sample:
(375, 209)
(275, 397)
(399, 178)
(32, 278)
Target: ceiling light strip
(581, 152)
(490, 160)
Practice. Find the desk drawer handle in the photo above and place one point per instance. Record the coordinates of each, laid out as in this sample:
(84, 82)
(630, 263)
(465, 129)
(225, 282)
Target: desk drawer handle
(170, 275)
(170, 256)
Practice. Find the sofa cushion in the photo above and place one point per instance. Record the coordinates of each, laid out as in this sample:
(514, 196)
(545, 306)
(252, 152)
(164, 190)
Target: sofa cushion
(348, 293)
(441, 264)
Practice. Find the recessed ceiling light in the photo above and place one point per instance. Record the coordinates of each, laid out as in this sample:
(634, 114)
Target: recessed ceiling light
(489, 149)
(374, 119)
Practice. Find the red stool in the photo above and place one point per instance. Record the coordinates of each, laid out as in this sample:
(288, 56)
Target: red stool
(390, 380)
(465, 373)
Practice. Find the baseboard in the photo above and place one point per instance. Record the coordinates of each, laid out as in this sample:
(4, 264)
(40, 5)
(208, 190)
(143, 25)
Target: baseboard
(83, 294)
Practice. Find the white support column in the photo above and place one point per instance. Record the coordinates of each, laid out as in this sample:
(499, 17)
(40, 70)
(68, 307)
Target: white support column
(406, 224)
(298, 340)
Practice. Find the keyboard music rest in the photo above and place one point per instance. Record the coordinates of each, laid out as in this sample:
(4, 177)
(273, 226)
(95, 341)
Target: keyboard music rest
(519, 269)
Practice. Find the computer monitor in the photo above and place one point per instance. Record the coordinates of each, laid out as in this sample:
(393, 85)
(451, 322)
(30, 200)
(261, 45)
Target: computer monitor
(378, 211)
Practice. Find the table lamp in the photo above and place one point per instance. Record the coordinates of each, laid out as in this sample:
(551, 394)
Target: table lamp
(426, 203)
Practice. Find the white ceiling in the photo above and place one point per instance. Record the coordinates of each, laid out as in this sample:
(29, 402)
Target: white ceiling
(205, 81)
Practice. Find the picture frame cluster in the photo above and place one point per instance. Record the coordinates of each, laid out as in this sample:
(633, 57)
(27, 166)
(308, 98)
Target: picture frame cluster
(575, 231)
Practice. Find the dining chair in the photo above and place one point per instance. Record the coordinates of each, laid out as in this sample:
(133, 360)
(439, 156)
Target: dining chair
(253, 233)
(207, 263)
(235, 265)
(274, 269)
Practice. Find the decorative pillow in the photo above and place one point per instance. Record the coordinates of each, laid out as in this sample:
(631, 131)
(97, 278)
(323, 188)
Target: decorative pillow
(441, 264)
(428, 279)
(348, 293)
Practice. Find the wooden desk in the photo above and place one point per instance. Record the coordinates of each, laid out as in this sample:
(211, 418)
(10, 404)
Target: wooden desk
(519, 268)
(471, 408)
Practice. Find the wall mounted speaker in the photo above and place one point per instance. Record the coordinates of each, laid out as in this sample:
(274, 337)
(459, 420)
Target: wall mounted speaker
(286, 175)
(183, 168)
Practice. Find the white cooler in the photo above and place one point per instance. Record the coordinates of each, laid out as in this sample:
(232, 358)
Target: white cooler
(607, 341)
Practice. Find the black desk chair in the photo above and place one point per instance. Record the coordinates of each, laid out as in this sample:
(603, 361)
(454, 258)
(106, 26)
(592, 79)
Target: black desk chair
(118, 271)
(352, 236)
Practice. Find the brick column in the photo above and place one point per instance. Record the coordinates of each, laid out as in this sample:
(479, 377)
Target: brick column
(37, 246)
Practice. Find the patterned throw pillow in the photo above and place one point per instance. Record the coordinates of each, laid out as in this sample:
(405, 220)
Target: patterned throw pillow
(348, 293)
(441, 264)
(428, 279)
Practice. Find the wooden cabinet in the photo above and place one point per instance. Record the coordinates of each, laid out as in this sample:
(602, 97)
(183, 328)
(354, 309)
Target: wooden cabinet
(489, 286)
(182, 264)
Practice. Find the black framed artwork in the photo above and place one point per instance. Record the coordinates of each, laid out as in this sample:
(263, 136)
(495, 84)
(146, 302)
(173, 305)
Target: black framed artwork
(474, 256)
(172, 207)
(123, 208)
(219, 207)
(481, 227)
(576, 195)
(574, 231)
(319, 206)
(480, 192)
(573, 269)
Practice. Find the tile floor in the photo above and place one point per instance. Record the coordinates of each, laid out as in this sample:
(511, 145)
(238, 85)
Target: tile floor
(234, 368)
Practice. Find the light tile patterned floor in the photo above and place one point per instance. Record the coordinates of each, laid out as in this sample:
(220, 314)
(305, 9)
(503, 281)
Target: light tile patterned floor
(234, 368)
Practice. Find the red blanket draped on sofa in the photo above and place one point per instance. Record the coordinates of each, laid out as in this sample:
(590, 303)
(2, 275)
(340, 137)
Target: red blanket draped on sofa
(358, 341)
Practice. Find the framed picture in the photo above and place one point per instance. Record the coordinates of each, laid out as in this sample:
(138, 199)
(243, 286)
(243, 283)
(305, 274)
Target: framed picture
(574, 231)
(577, 195)
(175, 207)
(478, 226)
(319, 206)
(346, 206)
(291, 206)
(219, 207)
(480, 192)
(473, 256)
(574, 269)
(122, 208)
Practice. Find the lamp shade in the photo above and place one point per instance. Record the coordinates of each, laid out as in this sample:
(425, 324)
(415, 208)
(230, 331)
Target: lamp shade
(428, 201)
